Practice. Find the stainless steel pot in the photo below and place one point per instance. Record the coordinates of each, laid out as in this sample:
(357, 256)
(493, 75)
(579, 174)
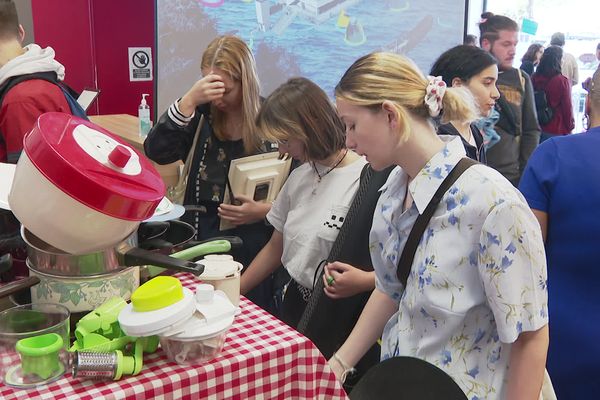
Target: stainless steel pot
(47, 259)
(47, 279)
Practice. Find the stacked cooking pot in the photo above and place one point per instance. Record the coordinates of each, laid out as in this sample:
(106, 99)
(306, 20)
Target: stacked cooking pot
(80, 193)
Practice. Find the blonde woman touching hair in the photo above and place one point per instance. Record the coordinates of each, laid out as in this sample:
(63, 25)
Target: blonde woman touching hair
(475, 300)
(227, 99)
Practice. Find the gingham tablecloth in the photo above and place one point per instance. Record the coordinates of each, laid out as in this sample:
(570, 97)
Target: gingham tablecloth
(263, 358)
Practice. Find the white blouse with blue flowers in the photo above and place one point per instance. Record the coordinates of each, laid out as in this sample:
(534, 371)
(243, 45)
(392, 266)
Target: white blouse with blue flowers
(478, 278)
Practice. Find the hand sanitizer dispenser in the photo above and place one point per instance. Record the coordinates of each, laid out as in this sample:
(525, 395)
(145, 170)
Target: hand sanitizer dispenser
(144, 116)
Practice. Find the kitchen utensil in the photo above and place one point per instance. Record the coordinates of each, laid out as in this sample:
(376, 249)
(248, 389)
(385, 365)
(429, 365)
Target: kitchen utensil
(224, 274)
(111, 365)
(97, 189)
(158, 305)
(150, 230)
(166, 211)
(175, 236)
(203, 335)
(86, 292)
(198, 250)
(49, 260)
(83, 293)
(39, 354)
(21, 324)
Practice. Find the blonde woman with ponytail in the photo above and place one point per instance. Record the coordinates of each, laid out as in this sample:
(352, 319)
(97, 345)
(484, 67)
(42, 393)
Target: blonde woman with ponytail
(475, 301)
(227, 100)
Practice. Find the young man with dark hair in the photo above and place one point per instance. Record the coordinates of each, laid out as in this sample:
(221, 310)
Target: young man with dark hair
(518, 126)
(24, 102)
(569, 63)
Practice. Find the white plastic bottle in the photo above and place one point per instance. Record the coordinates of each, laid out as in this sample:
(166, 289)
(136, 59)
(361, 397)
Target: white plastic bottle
(144, 116)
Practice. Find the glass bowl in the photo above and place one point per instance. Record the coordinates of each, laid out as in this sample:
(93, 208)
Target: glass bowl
(34, 339)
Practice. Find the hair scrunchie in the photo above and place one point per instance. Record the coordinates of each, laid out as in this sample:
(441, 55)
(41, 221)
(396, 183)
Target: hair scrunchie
(434, 95)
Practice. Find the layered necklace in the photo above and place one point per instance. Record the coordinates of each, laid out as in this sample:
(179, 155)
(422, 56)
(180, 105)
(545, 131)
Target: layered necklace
(321, 175)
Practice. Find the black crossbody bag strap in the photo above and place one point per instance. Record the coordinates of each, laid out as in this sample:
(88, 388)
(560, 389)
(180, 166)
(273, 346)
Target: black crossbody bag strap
(317, 292)
(408, 254)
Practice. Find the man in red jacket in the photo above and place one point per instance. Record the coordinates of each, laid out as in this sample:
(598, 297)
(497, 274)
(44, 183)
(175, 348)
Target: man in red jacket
(25, 102)
(20, 106)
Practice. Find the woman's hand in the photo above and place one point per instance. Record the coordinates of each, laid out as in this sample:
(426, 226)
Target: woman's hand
(337, 368)
(343, 280)
(207, 89)
(247, 212)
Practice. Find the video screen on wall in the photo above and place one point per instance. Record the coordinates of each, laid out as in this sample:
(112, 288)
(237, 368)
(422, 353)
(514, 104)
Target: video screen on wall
(318, 39)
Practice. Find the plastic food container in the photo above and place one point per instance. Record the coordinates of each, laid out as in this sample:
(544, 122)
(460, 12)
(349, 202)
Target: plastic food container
(96, 188)
(224, 274)
(203, 335)
(193, 351)
(33, 344)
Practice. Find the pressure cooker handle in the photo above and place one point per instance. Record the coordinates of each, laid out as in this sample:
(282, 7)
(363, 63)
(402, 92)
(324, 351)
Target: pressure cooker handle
(136, 256)
(17, 286)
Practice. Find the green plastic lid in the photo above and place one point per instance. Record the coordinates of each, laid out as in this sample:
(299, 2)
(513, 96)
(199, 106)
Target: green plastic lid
(157, 293)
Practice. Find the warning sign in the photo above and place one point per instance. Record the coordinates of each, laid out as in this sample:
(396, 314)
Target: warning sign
(140, 64)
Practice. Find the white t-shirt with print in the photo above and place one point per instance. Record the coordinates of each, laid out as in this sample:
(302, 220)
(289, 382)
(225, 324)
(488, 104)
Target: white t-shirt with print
(478, 278)
(311, 222)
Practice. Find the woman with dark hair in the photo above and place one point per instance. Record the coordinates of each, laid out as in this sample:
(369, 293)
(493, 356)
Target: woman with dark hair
(531, 58)
(549, 79)
(475, 70)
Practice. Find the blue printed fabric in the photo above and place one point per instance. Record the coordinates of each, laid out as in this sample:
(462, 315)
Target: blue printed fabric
(478, 278)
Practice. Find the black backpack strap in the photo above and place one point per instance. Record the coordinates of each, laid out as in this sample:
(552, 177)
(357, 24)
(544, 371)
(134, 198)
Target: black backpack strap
(408, 254)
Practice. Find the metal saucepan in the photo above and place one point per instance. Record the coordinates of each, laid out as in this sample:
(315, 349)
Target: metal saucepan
(72, 284)
(47, 259)
(178, 236)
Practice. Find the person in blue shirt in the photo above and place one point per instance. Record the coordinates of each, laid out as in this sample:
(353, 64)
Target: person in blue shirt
(562, 188)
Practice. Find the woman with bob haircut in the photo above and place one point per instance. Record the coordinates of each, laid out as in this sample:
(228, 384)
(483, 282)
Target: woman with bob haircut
(310, 209)
(227, 100)
(475, 300)
(476, 70)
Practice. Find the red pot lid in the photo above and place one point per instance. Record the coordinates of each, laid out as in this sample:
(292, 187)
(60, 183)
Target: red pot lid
(94, 166)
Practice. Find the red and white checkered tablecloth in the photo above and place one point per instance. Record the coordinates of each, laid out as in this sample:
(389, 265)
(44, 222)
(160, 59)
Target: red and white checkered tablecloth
(263, 358)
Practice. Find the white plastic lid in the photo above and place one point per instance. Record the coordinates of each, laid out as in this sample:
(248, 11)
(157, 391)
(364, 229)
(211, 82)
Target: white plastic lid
(149, 323)
(219, 266)
(214, 315)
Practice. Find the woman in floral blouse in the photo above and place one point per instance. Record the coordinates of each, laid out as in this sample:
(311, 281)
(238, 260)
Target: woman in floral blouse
(475, 303)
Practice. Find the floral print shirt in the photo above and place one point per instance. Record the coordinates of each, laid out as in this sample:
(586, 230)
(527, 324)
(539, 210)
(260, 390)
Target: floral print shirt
(478, 278)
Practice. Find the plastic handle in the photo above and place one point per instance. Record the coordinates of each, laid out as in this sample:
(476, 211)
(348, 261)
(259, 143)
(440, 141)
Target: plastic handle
(213, 246)
(119, 156)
